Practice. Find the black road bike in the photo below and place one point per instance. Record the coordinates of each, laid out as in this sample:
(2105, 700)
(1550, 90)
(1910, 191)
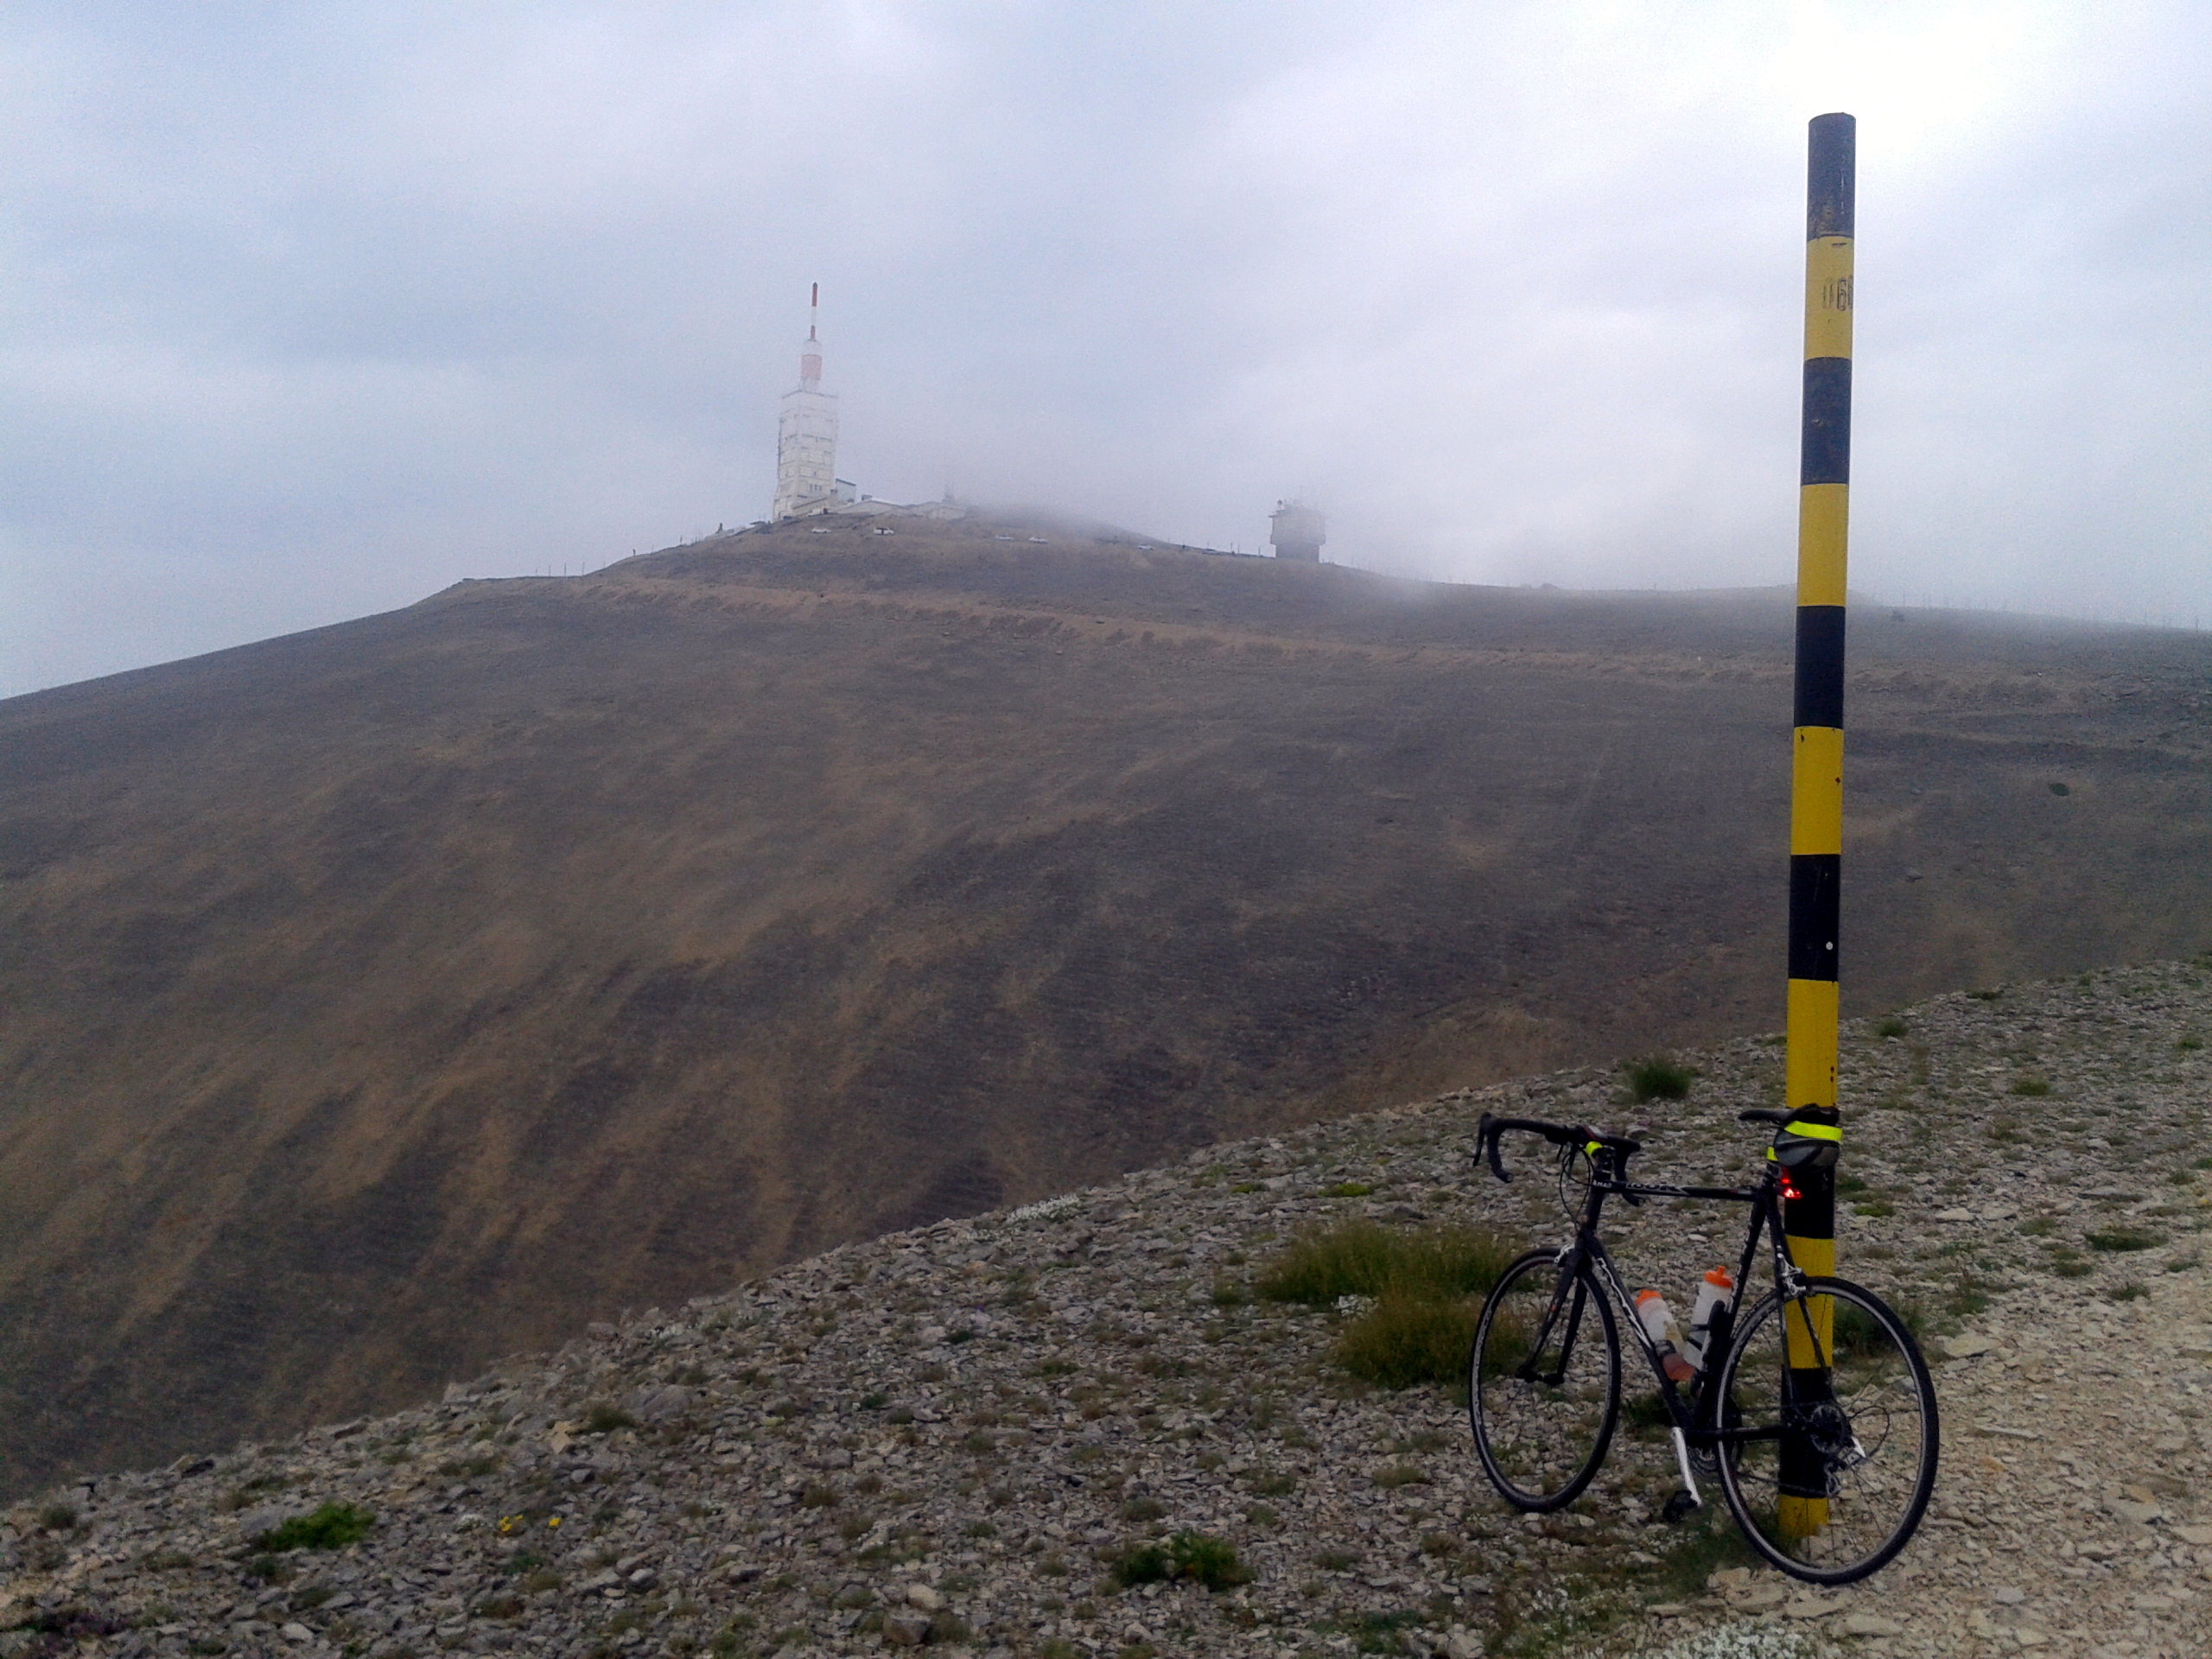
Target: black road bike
(1813, 1410)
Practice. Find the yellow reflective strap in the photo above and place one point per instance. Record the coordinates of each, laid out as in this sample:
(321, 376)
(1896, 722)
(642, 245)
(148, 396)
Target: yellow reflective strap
(1815, 1131)
(1594, 1149)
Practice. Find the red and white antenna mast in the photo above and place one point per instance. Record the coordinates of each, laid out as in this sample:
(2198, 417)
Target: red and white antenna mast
(810, 355)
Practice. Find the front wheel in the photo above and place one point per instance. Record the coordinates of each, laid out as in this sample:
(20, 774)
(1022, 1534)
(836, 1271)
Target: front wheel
(1838, 1415)
(1543, 1382)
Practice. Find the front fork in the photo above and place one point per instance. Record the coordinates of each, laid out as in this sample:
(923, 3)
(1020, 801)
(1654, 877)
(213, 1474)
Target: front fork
(1570, 1282)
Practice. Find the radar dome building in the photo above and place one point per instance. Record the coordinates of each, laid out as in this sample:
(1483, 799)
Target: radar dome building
(1297, 531)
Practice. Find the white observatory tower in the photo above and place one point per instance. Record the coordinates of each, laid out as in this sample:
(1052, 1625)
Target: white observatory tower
(1298, 530)
(806, 436)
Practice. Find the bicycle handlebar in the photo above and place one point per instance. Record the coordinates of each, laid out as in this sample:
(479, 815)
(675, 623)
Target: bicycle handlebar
(1560, 1134)
(1487, 1132)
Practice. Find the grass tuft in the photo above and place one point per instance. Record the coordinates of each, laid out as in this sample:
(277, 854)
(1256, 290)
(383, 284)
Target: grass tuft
(1657, 1077)
(1422, 1285)
(1364, 1258)
(1199, 1556)
(332, 1527)
(2123, 1239)
(1408, 1340)
(1889, 1025)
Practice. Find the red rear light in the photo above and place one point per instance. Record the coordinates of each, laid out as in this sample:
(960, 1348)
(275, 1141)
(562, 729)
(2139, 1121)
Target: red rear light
(1791, 1190)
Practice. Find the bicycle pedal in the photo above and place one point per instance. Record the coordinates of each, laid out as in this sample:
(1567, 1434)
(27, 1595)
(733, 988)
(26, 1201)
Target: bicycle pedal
(1681, 1505)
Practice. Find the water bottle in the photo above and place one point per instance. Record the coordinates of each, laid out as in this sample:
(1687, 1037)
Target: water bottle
(1714, 1292)
(1659, 1324)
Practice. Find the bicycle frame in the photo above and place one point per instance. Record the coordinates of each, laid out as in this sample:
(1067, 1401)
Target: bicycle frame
(1695, 1419)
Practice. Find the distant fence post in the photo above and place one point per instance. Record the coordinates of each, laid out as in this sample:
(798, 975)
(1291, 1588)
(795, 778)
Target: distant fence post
(1817, 766)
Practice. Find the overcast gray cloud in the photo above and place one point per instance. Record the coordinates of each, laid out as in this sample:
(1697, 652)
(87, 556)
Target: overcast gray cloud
(307, 310)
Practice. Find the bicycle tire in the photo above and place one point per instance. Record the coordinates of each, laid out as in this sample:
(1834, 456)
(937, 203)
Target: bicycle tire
(1870, 1496)
(1541, 1442)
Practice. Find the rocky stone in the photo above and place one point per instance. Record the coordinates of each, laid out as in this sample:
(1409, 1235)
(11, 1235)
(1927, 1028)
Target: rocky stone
(905, 1630)
(1756, 1597)
(1870, 1624)
(661, 1405)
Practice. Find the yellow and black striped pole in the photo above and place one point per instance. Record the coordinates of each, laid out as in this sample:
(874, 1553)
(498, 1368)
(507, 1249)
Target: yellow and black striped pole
(1816, 767)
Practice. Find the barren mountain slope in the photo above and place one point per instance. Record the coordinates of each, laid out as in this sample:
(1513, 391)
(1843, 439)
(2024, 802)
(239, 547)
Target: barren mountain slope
(382, 999)
(952, 1436)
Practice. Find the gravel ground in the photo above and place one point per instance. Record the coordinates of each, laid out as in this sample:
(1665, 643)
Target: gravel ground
(947, 1437)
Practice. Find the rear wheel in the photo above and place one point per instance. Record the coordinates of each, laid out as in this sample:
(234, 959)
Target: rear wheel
(1836, 1387)
(1543, 1382)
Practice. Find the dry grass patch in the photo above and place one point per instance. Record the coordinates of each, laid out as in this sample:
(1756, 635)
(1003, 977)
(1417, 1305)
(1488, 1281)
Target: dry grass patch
(1425, 1285)
(1363, 1258)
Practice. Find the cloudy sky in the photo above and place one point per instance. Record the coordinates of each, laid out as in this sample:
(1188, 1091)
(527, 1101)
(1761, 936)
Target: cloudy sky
(307, 310)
